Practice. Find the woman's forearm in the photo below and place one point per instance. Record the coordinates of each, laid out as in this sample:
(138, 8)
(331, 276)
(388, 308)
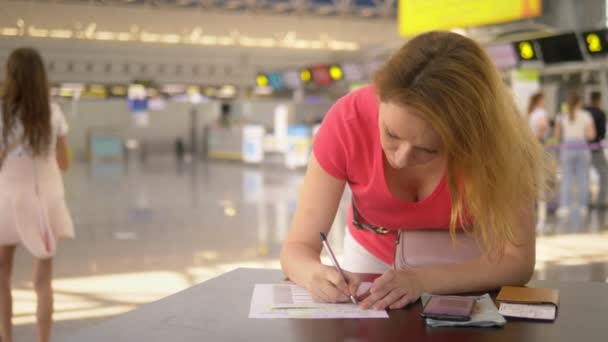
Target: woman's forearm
(317, 206)
(478, 275)
(298, 260)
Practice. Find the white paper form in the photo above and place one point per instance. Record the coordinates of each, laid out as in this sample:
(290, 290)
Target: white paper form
(532, 311)
(273, 301)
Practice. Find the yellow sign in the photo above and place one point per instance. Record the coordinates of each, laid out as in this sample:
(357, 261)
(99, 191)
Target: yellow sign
(526, 50)
(97, 91)
(417, 16)
(335, 72)
(118, 91)
(261, 80)
(594, 43)
(305, 75)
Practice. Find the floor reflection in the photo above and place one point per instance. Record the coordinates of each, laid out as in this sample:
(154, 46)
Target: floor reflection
(147, 231)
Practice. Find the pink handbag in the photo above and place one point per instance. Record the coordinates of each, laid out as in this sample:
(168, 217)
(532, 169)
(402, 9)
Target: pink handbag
(425, 247)
(418, 248)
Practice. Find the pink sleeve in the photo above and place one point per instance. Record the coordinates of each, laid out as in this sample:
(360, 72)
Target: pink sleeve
(330, 145)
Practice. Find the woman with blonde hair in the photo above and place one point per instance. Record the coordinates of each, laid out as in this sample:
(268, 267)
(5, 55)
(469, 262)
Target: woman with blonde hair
(574, 128)
(435, 145)
(33, 151)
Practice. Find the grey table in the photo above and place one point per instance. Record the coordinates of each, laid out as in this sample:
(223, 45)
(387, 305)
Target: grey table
(217, 310)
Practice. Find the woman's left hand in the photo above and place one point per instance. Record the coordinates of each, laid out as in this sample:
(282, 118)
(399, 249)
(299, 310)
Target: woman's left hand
(394, 289)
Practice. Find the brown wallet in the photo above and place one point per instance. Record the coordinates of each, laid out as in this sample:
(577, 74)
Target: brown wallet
(528, 295)
(528, 303)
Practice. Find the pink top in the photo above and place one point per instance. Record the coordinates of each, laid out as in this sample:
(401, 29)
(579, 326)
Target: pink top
(347, 147)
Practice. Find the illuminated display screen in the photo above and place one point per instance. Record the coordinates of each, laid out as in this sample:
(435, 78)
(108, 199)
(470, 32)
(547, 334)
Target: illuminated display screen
(417, 16)
(560, 48)
(275, 81)
(94, 91)
(118, 90)
(526, 50)
(321, 76)
(503, 55)
(261, 80)
(336, 73)
(352, 71)
(596, 42)
(138, 98)
(305, 75)
(291, 79)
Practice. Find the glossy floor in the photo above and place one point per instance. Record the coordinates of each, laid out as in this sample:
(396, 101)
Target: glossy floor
(147, 231)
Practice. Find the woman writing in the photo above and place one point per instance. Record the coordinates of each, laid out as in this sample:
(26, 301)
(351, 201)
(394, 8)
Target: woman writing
(435, 144)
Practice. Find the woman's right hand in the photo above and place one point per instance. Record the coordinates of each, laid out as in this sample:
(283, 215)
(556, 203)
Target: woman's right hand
(327, 285)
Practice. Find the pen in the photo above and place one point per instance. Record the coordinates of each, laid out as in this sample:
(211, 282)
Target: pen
(334, 261)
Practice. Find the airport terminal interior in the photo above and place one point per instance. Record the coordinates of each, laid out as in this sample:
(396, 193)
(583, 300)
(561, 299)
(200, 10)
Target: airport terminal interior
(191, 125)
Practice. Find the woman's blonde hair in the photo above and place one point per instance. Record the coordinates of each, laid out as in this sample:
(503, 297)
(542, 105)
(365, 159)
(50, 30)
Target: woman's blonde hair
(495, 165)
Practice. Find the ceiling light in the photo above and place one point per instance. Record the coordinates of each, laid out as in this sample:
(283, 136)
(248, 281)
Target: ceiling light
(229, 211)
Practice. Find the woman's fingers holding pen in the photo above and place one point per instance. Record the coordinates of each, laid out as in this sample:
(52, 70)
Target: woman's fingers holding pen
(333, 294)
(354, 281)
(327, 285)
(334, 276)
(347, 284)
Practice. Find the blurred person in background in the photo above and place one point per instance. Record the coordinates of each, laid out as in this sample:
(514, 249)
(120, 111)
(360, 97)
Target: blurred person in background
(180, 150)
(574, 128)
(537, 117)
(598, 159)
(33, 150)
(539, 124)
